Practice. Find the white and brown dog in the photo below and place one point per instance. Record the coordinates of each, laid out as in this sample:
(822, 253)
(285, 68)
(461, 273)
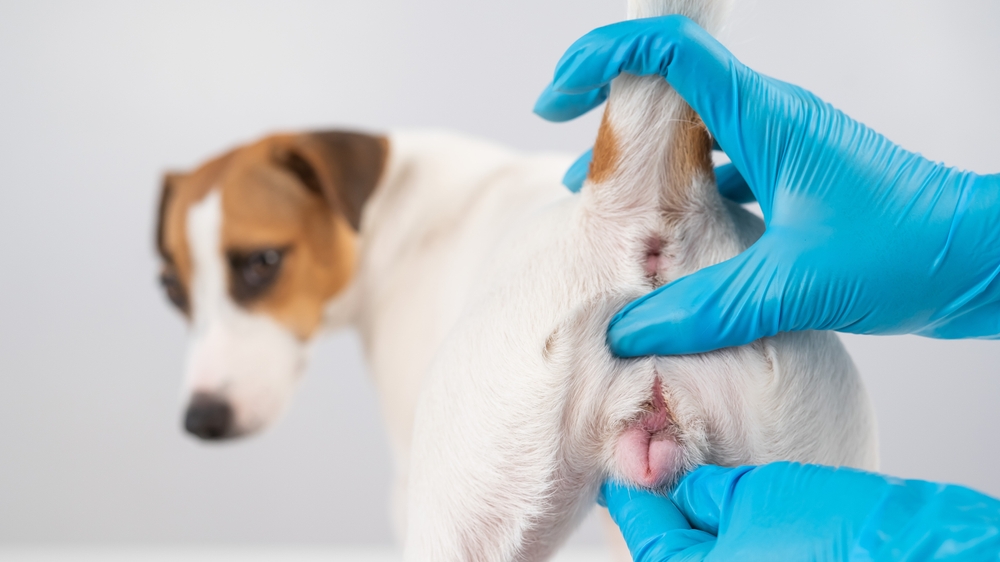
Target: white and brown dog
(484, 289)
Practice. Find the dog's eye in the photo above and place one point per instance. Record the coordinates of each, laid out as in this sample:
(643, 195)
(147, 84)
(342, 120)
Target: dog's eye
(253, 273)
(172, 285)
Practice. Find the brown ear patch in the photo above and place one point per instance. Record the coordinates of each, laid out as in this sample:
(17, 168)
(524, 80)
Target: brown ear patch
(300, 167)
(344, 167)
(166, 191)
(606, 153)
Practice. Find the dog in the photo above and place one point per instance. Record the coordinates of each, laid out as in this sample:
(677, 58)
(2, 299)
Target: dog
(525, 410)
(270, 244)
(483, 290)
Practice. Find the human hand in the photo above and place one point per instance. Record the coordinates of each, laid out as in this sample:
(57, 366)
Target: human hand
(862, 236)
(790, 511)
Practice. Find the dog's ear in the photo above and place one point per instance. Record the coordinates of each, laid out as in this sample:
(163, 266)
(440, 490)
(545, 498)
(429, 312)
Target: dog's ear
(167, 189)
(344, 167)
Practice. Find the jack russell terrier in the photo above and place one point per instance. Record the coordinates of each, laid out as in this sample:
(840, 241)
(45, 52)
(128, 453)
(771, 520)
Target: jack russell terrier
(482, 289)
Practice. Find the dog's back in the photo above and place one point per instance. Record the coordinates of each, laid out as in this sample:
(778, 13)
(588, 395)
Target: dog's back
(526, 411)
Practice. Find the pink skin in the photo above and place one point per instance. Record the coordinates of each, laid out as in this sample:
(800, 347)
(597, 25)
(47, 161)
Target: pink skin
(646, 451)
(652, 264)
(654, 257)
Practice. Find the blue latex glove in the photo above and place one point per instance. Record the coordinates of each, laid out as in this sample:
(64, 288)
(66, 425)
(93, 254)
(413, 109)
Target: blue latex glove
(788, 511)
(862, 236)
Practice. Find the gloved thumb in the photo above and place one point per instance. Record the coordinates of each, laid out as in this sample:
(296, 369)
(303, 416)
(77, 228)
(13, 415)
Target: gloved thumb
(653, 528)
(577, 172)
(728, 304)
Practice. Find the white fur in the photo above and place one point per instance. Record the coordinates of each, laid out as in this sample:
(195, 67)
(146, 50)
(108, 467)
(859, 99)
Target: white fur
(248, 359)
(427, 233)
(524, 407)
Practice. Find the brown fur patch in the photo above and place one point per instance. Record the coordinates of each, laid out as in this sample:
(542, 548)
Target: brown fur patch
(267, 203)
(345, 167)
(166, 190)
(606, 151)
(266, 206)
(689, 154)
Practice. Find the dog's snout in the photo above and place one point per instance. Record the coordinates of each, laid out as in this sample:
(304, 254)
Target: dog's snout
(208, 417)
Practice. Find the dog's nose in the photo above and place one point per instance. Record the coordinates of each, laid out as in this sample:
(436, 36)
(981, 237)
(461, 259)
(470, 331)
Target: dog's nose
(208, 417)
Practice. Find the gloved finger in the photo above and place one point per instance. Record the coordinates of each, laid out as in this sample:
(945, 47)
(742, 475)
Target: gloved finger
(728, 304)
(731, 183)
(981, 321)
(654, 530)
(558, 106)
(921, 518)
(703, 493)
(577, 172)
(732, 186)
(704, 72)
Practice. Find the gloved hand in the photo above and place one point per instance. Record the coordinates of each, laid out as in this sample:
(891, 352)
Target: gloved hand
(862, 236)
(789, 511)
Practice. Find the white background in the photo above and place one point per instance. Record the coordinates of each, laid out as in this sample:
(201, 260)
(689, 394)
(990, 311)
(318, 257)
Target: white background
(98, 98)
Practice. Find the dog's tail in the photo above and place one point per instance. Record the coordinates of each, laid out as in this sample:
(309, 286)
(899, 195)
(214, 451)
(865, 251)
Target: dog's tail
(650, 137)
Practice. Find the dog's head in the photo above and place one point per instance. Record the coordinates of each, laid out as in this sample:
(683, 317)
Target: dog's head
(255, 245)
